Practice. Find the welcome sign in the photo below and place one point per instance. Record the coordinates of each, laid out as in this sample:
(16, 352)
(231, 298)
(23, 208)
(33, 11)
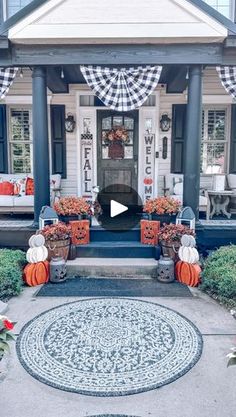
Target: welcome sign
(149, 166)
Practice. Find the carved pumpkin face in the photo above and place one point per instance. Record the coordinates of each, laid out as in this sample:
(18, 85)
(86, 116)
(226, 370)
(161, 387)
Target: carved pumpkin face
(80, 232)
(149, 232)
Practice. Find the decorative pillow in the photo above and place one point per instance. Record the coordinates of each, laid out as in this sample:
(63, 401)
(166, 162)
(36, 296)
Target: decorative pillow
(19, 186)
(29, 186)
(6, 188)
(178, 188)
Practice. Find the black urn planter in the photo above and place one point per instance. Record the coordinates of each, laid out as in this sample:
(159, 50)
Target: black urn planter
(163, 218)
(71, 218)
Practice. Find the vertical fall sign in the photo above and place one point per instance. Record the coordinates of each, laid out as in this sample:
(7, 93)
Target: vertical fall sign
(86, 153)
(149, 165)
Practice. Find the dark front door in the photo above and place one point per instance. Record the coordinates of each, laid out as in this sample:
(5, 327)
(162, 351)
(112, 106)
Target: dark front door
(118, 155)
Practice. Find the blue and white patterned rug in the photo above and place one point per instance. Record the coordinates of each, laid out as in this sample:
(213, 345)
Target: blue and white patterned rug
(109, 347)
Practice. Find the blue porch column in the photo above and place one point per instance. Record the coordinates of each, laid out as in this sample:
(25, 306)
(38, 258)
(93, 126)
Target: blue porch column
(40, 141)
(192, 151)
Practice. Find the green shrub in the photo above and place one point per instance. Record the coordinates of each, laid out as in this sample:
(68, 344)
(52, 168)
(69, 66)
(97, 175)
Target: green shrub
(219, 274)
(11, 264)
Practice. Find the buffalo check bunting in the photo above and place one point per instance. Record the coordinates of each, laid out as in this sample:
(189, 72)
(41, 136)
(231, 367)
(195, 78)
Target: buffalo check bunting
(122, 89)
(7, 76)
(228, 79)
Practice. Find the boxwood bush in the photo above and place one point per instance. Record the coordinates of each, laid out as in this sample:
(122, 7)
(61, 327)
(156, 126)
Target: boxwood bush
(11, 264)
(219, 275)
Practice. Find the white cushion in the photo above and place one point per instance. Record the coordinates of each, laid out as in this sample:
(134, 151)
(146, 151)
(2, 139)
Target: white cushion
(232, 181)
(24, 201)
(178, 188)
(171, 180)
(8, 177)
(6, 200)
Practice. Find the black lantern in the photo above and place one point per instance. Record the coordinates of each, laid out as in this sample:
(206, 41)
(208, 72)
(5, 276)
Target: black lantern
(165, 122)
(70, 123)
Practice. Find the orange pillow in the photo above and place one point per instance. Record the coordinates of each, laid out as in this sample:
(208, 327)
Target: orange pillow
(6, 188)
(29, 186)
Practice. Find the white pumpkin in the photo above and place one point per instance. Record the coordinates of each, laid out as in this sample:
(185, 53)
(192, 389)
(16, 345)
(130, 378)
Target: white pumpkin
(188, 254)
(37, 251)
(36, 241)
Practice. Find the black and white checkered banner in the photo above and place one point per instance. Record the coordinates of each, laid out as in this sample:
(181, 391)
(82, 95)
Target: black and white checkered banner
(122, 89)
(7, 76)
(228, 79)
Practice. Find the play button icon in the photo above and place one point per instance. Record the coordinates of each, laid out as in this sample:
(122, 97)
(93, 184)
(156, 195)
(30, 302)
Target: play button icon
(117, 208)
(120, 208)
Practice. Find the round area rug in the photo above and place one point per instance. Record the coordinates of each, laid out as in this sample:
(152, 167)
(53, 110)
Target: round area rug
(109, 347)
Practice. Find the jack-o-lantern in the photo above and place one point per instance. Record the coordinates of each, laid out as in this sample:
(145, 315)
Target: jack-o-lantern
(80, 232)
(149, 232)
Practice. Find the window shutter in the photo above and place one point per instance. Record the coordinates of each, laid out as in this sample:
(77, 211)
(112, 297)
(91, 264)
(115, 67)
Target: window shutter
(178, 132)
(58, 138)
(3, 140)
(232, 165)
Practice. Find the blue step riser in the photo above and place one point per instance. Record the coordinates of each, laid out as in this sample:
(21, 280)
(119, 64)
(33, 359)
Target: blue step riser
(121, 252)
(102, 235)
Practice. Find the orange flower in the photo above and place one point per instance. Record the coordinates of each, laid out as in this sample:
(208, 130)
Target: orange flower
(162, 205)
(67, 206)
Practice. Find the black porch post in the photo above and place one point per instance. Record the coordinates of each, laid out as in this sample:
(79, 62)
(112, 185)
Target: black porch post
(192, 151)
(40, 141)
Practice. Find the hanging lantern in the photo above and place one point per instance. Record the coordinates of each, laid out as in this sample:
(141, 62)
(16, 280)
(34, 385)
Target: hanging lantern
(165, 122)
(70, 123)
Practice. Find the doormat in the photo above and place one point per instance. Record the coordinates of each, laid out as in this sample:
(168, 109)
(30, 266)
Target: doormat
(109, 346)
(113, 287)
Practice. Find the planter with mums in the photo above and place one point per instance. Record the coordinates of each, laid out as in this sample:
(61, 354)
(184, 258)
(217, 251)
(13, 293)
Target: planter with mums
(170, 239)
(163, 209)
(57, 240)
(72, 208)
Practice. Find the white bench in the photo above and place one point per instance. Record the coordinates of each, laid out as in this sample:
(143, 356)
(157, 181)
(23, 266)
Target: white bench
(25, 203)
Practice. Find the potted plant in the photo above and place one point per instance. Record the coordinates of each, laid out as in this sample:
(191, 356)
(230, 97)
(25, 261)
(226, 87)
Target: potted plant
(163, 209)
(170, 238)
(72, 208)
(6, 327)
(57, 240)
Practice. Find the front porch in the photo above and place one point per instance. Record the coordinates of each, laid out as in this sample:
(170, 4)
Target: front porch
(181, 160)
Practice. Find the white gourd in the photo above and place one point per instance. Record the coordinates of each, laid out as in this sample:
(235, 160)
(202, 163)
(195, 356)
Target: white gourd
(37, 251)
(187, 252)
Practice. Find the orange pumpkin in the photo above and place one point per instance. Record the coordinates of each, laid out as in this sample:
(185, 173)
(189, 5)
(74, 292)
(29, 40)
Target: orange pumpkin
(188, 274)
(36, 274)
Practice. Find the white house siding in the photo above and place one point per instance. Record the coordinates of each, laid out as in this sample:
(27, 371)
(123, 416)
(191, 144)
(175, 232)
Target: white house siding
(21, 91)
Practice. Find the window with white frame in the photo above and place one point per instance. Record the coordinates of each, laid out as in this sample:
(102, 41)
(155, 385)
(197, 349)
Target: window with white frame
(214, 141)
(20, 139)
(225, 7)
(13, 6)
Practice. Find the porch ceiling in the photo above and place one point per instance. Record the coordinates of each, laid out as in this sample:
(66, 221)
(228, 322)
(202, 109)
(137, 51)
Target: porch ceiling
(172, 75)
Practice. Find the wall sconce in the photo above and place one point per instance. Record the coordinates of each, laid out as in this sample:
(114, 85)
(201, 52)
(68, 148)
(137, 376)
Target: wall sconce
(165, 122)
(70, 123)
